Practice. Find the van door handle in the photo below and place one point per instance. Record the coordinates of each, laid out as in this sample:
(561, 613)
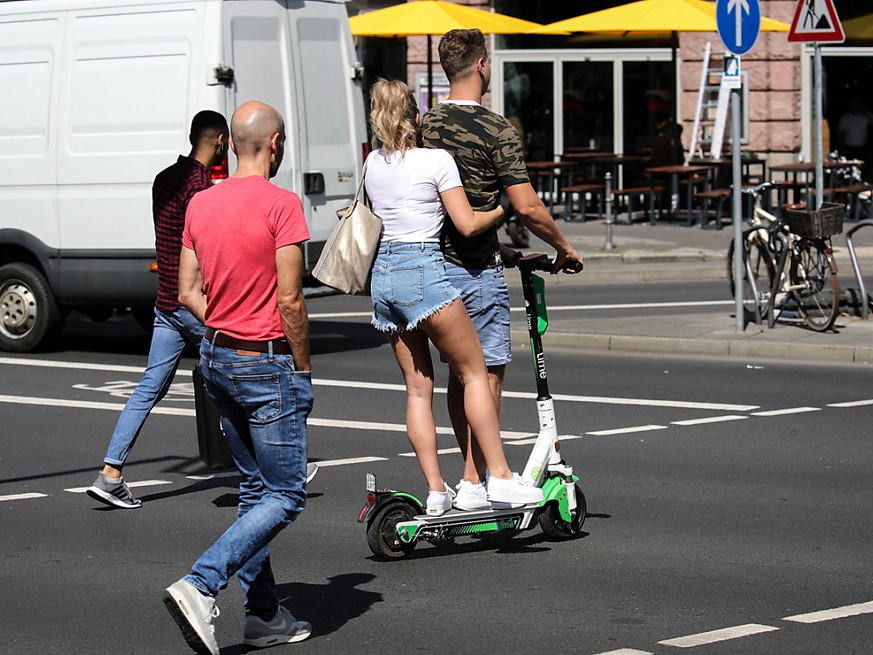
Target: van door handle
(313, 183)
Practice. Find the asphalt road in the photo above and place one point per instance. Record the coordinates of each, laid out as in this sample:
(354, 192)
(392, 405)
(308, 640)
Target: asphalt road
(722, 496)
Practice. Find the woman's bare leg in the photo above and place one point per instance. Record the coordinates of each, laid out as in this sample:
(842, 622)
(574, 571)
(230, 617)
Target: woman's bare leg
(452, 332)
(413, 355)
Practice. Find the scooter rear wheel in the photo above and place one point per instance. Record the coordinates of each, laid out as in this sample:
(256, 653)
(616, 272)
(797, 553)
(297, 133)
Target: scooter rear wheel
(382, 536)
(553, 524)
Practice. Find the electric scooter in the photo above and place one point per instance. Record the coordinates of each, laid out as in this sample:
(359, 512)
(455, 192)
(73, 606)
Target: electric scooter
(396, 520)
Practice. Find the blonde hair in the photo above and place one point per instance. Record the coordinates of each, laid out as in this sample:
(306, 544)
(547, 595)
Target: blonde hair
(392, 116)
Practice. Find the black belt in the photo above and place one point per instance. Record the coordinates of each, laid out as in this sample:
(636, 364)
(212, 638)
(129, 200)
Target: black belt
(280, 346)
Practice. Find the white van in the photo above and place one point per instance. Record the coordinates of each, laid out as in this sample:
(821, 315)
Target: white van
(98, 97)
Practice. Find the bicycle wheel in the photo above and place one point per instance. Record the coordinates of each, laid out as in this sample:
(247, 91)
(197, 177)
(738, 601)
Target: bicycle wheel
(814, 273)
(758, 273)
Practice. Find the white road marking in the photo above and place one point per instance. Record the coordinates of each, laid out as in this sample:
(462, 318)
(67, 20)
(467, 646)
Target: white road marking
(788, 410)
(22, 496)
(357, 384)
(718, 635)
(563, 308)
(137, 483)
(711, 419)
(351, 460)
(82, 366)
(533, 439)
(213, 476)
(178, 411)
(440, 451)
(831, 614)
(628, 430)
(853, 403)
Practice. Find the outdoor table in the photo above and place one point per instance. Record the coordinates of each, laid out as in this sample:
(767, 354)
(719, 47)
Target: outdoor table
(675, 172)
(801, 174)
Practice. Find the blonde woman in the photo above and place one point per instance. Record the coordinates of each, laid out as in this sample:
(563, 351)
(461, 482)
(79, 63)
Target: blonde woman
(413, 189)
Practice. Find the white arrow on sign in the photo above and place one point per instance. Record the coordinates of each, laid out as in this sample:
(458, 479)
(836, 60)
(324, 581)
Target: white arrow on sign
(738, 6)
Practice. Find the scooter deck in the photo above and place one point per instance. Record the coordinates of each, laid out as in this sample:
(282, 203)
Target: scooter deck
(458, 523)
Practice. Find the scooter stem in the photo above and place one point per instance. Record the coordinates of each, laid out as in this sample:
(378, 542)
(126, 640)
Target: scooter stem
(545, 450)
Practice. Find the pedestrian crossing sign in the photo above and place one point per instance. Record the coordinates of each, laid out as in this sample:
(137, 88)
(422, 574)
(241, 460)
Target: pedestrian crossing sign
(816, 20)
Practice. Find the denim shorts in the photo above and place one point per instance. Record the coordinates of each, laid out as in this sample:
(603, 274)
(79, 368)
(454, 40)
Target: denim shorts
(486, 297)
(408, 285)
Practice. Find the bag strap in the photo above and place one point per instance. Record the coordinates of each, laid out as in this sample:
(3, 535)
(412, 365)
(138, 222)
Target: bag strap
(361, 184)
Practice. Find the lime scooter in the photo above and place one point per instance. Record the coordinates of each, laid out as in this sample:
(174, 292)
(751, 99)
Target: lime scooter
(396, 520)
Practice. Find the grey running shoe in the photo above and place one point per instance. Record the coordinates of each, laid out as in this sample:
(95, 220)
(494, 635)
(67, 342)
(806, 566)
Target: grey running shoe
(311, 470)
(193, 613)
(110, 492)
(283, 629)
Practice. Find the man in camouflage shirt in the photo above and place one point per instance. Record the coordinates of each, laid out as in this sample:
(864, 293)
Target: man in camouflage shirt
(490, 158)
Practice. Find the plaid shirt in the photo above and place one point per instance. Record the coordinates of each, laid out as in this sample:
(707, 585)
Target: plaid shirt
(171, 192)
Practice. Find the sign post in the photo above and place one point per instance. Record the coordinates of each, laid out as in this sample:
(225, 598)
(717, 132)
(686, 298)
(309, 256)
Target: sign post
(739, 23)
(816, 21)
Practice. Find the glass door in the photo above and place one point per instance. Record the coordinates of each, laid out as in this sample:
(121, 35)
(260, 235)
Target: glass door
(528, 103)
(588, 106)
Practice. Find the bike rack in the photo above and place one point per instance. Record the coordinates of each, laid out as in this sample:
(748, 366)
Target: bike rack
(865, 314)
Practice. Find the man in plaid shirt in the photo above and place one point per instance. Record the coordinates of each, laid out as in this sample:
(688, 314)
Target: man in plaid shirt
(174, 327)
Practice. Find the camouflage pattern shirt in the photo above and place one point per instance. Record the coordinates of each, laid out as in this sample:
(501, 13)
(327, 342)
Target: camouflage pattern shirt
(489, 155)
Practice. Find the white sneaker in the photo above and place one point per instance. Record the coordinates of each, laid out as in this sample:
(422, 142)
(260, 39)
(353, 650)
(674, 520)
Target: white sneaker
(193, 613)
(283, 629)
(513, 491)
(311, 470)
(471, 497)
(439, 502)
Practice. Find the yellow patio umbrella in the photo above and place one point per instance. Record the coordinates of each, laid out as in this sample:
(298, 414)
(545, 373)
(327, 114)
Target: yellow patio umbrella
(651, 16)
(434, 17)
(859, 28)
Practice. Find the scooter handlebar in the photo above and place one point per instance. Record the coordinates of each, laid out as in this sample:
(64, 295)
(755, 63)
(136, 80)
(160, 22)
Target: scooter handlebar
(541, 262)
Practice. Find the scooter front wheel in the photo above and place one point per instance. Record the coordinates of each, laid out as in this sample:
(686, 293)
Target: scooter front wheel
(382, 536)
(554, 525)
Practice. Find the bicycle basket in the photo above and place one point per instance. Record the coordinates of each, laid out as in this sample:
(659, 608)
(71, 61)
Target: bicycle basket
(816, 224)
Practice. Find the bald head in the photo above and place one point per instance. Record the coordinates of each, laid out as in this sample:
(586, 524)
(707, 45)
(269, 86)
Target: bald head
(257, 132)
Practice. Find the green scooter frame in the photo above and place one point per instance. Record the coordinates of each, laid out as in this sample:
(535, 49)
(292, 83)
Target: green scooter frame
(396, 520)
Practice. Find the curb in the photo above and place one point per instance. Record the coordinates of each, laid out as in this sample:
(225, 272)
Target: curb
(754, 345)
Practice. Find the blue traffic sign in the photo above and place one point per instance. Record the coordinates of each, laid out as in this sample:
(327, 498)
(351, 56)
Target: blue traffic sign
(739, 23)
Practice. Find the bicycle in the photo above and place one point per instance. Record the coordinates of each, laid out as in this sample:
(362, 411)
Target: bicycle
(789, 271)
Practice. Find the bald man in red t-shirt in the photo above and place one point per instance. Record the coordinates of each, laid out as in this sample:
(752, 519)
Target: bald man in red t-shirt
(240, 273)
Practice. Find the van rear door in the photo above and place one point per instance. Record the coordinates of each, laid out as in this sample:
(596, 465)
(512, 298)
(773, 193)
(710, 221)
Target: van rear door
(301, 60)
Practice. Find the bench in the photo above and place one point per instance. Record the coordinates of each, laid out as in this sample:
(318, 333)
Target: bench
(651, 192)
(582, 191)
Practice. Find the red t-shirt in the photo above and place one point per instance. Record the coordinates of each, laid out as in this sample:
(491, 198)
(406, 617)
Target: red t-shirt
(235, 229)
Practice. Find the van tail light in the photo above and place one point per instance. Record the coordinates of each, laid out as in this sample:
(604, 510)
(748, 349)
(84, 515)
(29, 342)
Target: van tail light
(219, 172)
(365, 149)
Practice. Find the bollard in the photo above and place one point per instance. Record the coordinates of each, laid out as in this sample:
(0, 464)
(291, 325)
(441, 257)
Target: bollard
(609, 245)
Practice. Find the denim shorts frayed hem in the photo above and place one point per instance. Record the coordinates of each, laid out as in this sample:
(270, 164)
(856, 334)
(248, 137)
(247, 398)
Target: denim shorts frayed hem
(388, 327)
(409, 285)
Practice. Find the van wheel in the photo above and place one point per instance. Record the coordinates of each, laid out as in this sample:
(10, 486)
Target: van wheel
(30, 317)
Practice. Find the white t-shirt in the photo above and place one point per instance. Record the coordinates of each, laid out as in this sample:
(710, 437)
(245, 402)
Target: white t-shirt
(404, 191)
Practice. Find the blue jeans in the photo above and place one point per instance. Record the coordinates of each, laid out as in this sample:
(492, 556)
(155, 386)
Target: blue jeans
(264, 403)
(486, 298)
(173, 331)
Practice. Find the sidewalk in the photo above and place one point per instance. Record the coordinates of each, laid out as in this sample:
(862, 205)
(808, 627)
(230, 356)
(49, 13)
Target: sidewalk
(670, 251)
